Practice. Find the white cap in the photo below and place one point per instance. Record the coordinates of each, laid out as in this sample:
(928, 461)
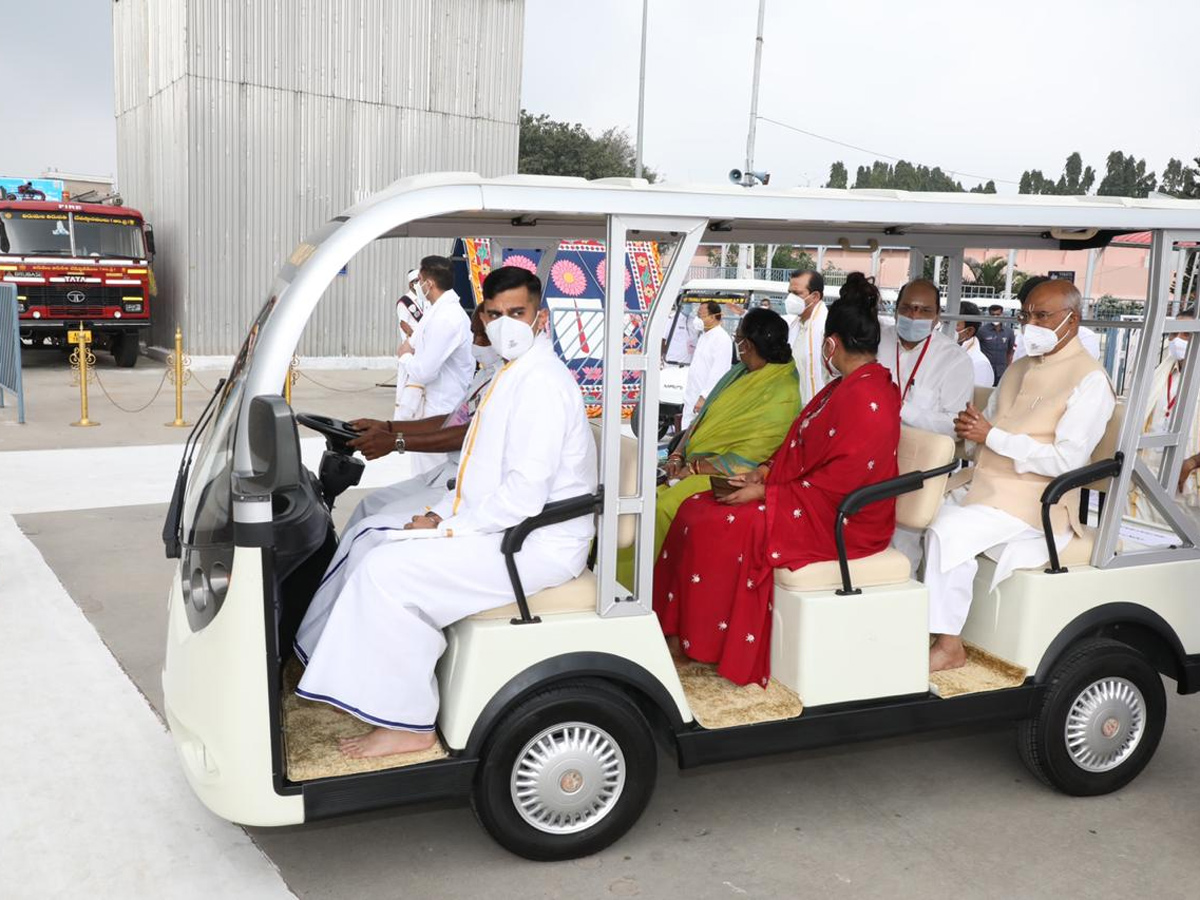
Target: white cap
(413, 275)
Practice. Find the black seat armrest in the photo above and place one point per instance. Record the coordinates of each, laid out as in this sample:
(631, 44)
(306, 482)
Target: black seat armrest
(1068, 481)
(551, 514)
(873, 493)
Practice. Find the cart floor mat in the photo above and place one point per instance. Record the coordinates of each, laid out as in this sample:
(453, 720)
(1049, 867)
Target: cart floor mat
(983, 672)
(311, 732)
(717, 702)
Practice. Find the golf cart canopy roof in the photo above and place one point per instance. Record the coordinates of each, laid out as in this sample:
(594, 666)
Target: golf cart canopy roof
(551, 206)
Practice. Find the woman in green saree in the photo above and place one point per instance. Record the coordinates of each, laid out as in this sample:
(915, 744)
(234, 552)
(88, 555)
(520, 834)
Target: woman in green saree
(743, 421)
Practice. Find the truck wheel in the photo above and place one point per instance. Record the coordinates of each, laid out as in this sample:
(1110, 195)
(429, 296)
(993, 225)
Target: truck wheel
(1100, 720)
(125, 349)
(566, 772)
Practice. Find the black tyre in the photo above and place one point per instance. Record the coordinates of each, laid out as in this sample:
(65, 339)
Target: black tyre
(566, 772)
(125, 350)
(1100, 720)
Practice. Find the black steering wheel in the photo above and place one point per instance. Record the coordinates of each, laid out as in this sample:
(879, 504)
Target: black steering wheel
(338, 434)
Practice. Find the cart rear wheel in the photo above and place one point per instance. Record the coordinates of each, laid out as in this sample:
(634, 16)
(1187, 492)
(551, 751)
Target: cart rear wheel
(566, 772)
(1100, 720)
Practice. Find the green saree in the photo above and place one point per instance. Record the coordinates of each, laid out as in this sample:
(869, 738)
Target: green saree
(743, 421)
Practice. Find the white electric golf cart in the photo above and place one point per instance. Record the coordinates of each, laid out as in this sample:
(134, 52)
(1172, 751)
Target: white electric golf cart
(550, 708)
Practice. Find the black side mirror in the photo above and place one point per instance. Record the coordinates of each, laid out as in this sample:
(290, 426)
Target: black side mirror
(149, 232)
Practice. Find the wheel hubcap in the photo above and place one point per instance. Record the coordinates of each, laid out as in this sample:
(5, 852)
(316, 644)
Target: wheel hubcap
(1105, 724)
(568, 778)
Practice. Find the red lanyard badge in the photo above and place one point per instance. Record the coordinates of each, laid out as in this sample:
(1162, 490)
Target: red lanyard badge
(913, 375)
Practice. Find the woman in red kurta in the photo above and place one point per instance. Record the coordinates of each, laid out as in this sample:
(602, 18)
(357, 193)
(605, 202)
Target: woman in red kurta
(713, 580)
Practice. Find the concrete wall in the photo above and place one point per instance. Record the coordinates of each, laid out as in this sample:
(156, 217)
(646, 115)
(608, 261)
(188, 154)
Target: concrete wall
(243, 126)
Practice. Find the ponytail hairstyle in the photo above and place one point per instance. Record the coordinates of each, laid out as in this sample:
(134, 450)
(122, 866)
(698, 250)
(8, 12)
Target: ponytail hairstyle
(854, 316)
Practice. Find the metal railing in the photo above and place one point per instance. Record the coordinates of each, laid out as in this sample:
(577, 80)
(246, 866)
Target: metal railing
(10, 349)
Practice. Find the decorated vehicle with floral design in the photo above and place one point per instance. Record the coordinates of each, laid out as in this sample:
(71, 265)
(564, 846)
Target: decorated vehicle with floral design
(553, 710)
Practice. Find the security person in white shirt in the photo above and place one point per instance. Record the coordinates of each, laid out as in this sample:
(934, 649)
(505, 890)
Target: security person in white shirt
(967, 332)
(806, 331)
(712, 359)
(935, 375)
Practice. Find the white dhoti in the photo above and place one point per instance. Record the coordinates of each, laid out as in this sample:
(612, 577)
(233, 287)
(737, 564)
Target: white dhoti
(372, 653)
(952, 542)
(404, 499)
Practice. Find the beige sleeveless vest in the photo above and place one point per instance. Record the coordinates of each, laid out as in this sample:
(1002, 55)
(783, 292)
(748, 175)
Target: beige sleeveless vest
(1033, 396)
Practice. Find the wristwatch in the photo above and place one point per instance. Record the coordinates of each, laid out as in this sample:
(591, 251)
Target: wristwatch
(399, 442)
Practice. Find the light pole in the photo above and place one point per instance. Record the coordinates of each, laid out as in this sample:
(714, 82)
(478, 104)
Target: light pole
(746, 254)
(637, 166)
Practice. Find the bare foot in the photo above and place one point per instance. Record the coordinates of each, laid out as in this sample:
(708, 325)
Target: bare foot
(947, 652)
(386, 742)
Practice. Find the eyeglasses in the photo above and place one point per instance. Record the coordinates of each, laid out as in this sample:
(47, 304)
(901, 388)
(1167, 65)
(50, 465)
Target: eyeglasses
(1039, 316)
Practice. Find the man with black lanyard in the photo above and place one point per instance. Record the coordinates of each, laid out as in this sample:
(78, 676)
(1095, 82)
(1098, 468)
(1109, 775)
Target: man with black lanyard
(935, 376)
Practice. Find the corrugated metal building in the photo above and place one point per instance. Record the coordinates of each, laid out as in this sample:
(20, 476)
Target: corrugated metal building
(243, 125)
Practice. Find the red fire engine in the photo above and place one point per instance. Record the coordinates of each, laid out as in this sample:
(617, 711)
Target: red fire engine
(78, 262)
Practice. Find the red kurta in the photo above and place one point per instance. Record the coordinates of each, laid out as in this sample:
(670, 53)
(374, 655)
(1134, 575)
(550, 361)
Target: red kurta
(713, 580)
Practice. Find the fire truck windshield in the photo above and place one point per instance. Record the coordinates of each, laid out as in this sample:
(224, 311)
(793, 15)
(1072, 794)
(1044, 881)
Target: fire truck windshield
(31, 232)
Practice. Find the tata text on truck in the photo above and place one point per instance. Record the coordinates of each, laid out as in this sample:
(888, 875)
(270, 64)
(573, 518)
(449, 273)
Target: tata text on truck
(76, 262)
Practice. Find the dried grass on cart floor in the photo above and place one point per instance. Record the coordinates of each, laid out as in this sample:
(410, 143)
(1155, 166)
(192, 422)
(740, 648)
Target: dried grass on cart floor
(311, 733)
(983, 672)
(717, 702)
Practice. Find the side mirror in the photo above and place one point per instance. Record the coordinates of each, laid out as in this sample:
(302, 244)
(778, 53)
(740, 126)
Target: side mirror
(149, 232)
(274, 448)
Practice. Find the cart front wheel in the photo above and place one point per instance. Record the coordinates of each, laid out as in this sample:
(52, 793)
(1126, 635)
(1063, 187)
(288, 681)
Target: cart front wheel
(1100, 720)
(566, 772)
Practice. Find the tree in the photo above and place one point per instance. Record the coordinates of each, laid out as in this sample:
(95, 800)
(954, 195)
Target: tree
(785, 257)
(1179, 180)
(989, 273)
(1075, 179)
(989, 188)
(838, 177)
(1126, 177)
(549, 147)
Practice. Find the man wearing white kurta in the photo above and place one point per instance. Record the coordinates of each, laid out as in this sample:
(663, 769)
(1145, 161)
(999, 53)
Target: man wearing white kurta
(934, 374)
(373, 634)
(966, 332)
(409, 312)
(435, 434)
(1044, 419)
(806, 331)
(440, 365)
(712, 359)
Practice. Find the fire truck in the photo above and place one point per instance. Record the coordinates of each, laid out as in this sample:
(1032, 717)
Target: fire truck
(77, 263)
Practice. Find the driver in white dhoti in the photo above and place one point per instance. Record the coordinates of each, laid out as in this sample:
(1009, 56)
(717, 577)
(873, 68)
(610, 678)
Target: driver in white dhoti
(373, 634)
(1044, 419)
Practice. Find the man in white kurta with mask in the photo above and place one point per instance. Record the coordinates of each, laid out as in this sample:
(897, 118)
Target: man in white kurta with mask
(712, 359)
(934, 374)
(1044, 419)
(805, 303)
(373, 634)
(440, 365)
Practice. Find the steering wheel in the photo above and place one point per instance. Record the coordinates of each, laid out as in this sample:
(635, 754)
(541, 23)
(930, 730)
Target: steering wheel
(338, 434)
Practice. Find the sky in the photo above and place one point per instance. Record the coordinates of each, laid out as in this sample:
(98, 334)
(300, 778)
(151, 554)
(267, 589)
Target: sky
(985, 90)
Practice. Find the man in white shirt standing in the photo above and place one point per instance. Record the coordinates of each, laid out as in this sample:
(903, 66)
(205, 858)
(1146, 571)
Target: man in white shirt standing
(373, 633)
(967, 331)
(806, 331)
(1044, 419)
(409, 312)
(440, 365)
(712, 359)
(935, 375)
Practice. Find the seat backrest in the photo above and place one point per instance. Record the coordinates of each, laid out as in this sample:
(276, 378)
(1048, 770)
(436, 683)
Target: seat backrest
(1108, 444)
(626, 525)
(920, 450)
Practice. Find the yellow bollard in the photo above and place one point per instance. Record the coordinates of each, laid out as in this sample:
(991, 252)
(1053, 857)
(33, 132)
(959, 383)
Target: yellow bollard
(82, 360)
(179, 372)
(293, 375)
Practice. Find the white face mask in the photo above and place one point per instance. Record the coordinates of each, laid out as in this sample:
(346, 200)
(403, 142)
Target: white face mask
(828, 360)
(1038, 340)
(697, 324)
(1178, 348)
(913, 330)
(795, 306)
(510, 337)
(485, 356)
(422, 297)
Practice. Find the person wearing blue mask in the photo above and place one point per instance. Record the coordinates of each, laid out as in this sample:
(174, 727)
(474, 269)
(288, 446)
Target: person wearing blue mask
(934, 374)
